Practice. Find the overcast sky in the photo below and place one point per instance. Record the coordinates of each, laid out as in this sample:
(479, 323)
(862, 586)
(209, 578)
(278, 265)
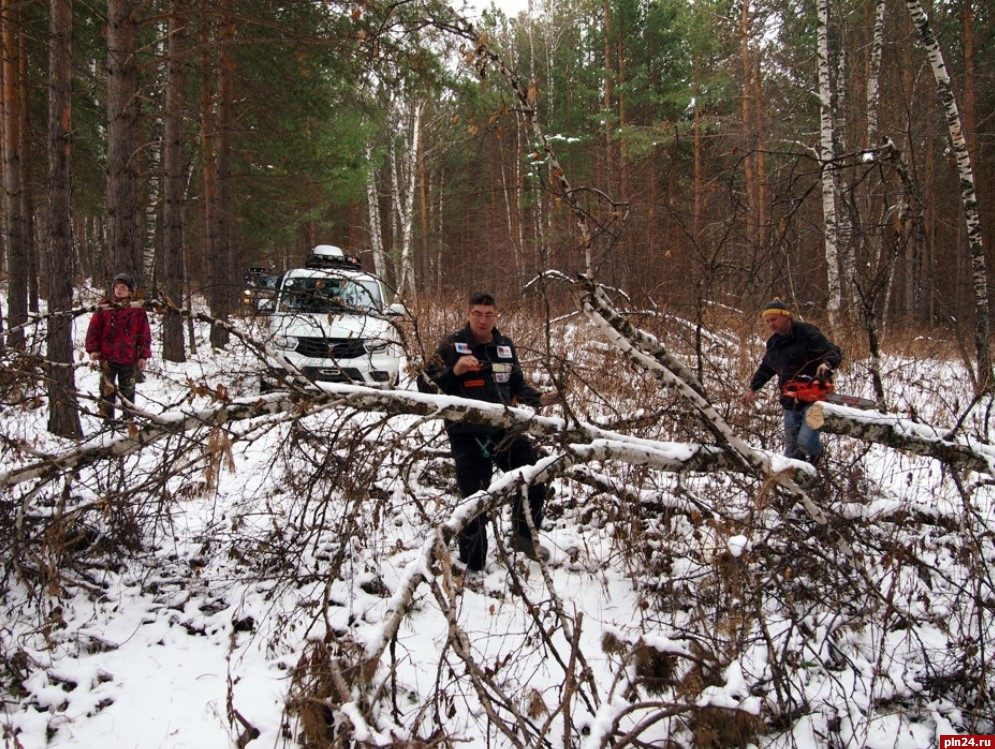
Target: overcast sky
(511, 8)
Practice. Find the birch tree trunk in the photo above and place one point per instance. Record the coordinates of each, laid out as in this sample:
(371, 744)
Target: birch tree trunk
(423, 203)
(827, 155)
(969, 198)
(373, 210)
(440, 228)
(874, 74)
(509, 200)
(395, 187)
(174, 178)
(874, 300)
(407, 186)
(63, 407)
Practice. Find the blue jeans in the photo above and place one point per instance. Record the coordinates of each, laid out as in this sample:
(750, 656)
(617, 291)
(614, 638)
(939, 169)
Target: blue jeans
(800, 440)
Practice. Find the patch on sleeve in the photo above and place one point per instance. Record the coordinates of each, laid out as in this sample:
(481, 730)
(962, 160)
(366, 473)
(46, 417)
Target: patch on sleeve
(462, 348)
(473, 383)
(504, 352)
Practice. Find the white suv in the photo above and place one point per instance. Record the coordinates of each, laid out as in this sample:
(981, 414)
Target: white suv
(331, 323)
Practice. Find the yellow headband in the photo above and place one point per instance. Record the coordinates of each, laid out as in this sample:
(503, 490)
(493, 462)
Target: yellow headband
(776, 308)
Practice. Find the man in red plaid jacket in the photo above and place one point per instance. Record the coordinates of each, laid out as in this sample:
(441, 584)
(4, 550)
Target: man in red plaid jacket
(120, 339)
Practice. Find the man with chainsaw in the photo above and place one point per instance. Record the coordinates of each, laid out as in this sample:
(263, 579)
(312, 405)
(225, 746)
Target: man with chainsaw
(481, 363)
(798, 353)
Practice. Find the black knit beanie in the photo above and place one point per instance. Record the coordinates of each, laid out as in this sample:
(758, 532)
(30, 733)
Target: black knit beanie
(776, 307)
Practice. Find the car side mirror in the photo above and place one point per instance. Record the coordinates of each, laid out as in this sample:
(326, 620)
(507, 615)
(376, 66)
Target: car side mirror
(397, 309)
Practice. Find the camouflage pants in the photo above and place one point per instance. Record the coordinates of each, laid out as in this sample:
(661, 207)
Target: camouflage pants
(116, 379)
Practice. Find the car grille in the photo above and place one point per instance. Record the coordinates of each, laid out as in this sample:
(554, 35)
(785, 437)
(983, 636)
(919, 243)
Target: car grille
(331, 374)
(331, 348)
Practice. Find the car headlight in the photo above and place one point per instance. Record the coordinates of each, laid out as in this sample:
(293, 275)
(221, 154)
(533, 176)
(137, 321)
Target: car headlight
(287, 342)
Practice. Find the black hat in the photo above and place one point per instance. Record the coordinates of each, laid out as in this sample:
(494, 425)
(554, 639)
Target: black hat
(776, 307)
(125, 279)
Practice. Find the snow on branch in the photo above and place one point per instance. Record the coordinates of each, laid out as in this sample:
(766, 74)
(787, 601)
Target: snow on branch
(501, 491)
(678, 457)
(649, 352)
(892, 431)
(909, 436)
(103, 447)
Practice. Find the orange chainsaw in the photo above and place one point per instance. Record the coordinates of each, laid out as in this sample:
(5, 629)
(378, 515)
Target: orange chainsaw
(810, 389)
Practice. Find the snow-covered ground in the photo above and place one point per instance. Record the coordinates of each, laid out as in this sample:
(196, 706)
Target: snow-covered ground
(233, 585)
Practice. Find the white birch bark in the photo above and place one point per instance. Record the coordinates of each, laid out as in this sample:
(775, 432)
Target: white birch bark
(969, 197)
(834, 290)
(873, 301)
(407, 187)
(874, 75)
(844, 224)
(395, 185)
(373, 214)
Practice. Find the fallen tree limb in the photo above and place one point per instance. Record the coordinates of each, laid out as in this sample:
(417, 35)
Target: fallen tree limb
(884, 429)
(901, 434)
(909, 436)
(154, 429)
(650, 352)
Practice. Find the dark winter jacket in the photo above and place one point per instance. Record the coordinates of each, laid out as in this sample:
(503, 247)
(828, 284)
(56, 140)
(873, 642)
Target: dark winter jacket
(119, 334)
(799, 352)
(500, 380)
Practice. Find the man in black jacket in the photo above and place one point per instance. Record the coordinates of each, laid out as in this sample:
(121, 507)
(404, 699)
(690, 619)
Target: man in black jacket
(795, 349)
(479, 362)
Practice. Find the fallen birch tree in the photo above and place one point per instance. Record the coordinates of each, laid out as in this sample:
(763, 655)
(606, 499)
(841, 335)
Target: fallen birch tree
(730, 453)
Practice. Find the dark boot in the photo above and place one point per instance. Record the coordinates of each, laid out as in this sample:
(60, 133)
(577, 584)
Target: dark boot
(473, 543)
(525, 545)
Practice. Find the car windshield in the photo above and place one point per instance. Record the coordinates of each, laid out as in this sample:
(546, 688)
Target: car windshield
(331, 294)
(261, 282)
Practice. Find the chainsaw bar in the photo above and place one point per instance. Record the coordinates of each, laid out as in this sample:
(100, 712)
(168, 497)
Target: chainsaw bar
(850, 400)
(812, 389)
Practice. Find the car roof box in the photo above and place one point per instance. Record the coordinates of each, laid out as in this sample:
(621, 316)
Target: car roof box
(330, 256)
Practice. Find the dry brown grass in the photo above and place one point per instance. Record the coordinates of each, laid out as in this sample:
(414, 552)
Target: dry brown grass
(721, 728)
(318, 687)
(568, 341)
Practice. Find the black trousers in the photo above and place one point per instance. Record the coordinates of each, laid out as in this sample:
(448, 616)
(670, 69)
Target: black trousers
(114, 379)
(475, 456)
